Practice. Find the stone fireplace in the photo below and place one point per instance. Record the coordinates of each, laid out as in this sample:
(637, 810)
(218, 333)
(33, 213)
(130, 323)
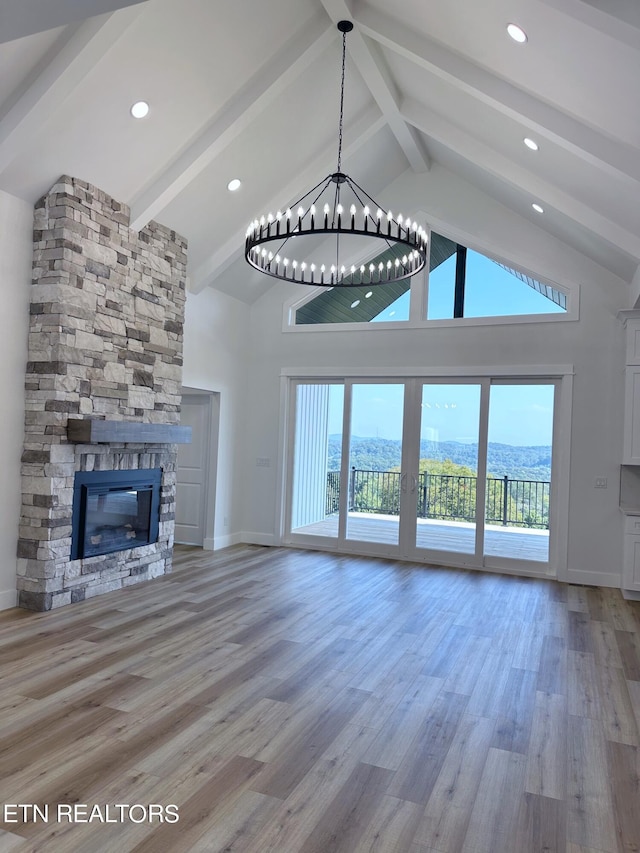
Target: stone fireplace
(105, 350)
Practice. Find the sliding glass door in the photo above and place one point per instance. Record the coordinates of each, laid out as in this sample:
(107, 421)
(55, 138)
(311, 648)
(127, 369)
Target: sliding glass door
(446, 471)
(346, 476)
(316, 462)
(519, 460)
(375, 459)
(446, 476)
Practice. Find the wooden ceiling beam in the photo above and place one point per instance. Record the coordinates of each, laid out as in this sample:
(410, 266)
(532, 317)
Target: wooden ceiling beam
(62, 69)
(373, 70)
(260, 91)
(592, 145)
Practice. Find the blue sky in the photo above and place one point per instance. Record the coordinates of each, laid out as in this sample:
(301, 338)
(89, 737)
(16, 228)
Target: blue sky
(490, 292)
(518, 414)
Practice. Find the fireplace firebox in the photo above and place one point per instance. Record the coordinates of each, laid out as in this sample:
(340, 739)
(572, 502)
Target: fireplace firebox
(114, 511)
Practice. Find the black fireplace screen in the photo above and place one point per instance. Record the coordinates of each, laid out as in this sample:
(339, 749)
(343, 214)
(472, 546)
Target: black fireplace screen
(114, 510)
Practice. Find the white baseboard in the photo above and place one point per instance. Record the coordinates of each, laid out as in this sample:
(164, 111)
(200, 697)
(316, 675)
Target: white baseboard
(8, 599)
(219, 542)
(257, 538)
(593, 578)
(631, 594)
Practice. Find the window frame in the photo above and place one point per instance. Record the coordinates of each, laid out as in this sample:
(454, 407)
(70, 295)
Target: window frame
(419, 299)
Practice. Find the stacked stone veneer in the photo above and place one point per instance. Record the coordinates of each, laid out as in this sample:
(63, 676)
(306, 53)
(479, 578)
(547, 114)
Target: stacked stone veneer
(105, 341)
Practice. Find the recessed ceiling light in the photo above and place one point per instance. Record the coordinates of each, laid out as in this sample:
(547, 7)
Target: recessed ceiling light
(140, 109)
(355, 304)
(537, 208)
(234, 185)
(531, 143)
(517, 33)
(367, 295)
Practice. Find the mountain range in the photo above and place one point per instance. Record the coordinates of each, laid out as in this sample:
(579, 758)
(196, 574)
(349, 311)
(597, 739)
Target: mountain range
(382, 454)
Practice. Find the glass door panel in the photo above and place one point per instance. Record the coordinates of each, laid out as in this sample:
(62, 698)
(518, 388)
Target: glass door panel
(375, 456)
(317, 456)
(448, 468)
(518, 485)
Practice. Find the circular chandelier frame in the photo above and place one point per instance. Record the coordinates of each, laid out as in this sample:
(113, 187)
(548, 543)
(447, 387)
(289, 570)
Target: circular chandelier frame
(321, 212)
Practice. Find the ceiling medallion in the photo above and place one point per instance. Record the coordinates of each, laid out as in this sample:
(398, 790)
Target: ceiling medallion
(347, 238)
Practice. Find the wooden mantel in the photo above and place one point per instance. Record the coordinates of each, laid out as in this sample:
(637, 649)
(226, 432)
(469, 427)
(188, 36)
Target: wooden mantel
(94, 431)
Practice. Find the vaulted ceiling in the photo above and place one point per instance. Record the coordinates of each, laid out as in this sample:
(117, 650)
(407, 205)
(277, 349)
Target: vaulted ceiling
(249, 89)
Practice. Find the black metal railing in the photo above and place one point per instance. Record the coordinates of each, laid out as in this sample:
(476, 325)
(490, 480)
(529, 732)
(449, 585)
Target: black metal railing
(510, 502)
(333, 492)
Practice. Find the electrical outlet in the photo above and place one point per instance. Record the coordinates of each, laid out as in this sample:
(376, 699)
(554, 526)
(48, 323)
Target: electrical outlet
(601, 483)
(263, 462)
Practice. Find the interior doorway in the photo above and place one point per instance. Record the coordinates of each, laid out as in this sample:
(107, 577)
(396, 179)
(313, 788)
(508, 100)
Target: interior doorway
(196, 469)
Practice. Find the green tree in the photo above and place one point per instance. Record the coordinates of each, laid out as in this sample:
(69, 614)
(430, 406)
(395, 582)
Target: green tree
(446, 490)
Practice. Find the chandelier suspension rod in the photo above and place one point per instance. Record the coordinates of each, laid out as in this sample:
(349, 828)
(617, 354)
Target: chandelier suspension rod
(344, 27)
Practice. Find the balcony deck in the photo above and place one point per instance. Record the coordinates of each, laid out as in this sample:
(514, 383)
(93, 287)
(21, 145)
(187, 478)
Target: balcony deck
(516, 543)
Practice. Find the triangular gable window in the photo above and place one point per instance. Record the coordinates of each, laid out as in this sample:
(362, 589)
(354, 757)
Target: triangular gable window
(462, 283)
(468, 284)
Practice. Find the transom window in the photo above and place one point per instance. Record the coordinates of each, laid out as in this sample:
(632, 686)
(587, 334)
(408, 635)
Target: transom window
(462, 283)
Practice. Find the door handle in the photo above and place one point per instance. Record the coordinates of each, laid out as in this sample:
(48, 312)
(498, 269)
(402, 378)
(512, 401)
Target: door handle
(403, 483)
(414, 483)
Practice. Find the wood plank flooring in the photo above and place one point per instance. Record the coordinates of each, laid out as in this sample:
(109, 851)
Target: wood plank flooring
(297, 702)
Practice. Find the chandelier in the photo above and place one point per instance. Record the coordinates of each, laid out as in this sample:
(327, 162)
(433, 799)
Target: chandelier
(349, 239)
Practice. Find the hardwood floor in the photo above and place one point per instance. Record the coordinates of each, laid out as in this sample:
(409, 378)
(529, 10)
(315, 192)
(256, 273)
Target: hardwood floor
(296, 702)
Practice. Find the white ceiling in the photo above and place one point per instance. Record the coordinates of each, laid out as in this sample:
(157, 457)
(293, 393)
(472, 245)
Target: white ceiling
(250, 89)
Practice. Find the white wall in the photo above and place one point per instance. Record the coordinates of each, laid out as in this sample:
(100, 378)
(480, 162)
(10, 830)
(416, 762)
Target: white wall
(16, 247)
(594, 345)
(215, 359)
